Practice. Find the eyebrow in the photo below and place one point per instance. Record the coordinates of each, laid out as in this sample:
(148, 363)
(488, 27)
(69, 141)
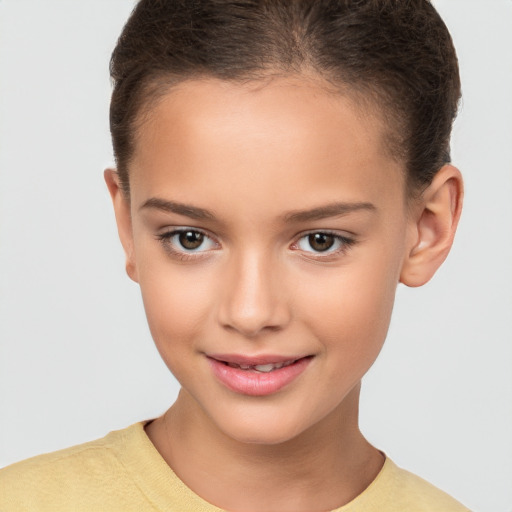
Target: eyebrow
(329, 210)
(321, 212)
(186, 210)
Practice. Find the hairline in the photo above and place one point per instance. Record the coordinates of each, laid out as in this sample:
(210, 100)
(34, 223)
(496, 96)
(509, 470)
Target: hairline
(369, 101)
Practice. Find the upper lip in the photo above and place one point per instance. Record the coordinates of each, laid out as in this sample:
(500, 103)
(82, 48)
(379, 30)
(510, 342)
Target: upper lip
(254, 360)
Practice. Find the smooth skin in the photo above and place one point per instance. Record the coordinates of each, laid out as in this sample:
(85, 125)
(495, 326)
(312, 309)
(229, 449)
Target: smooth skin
(255, 282)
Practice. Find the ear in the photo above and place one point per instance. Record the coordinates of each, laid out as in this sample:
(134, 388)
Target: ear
(123, 219)
(434, 221)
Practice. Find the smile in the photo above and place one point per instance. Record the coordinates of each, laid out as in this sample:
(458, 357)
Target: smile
(257, 376)
(263, 368)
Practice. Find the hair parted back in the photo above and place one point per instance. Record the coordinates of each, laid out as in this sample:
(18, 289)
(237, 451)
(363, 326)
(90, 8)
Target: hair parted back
(398, 53)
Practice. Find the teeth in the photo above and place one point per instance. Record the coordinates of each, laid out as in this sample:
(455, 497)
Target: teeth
(263, 368)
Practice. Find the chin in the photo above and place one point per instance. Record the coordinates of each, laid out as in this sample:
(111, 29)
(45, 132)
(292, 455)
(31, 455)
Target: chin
(262, 438)
(261, 432)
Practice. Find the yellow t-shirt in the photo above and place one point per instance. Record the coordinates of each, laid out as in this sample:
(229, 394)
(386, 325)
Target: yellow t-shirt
(123, 472)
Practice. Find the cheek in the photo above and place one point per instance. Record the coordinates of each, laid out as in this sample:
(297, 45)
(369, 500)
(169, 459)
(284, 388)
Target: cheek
(349, 310)
(176, 299)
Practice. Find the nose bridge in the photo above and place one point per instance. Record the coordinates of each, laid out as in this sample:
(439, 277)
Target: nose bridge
(254, 298)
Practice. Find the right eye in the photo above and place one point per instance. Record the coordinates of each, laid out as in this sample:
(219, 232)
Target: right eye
(187, 242)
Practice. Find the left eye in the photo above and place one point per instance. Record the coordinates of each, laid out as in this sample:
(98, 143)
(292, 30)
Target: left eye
(323, 243)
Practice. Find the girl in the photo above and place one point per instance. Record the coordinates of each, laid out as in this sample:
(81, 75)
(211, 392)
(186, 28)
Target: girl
(276, 178)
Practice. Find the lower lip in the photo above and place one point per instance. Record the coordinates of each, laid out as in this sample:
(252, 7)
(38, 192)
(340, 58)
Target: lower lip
(254, 383)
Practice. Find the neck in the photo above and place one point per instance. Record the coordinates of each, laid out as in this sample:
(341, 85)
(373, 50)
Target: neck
(321, 469)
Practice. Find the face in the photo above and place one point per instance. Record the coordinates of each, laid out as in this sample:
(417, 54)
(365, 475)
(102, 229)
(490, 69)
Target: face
(267, 233)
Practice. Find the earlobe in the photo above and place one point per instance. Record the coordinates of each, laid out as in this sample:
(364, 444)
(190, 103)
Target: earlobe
(435, 224)
(123, 219)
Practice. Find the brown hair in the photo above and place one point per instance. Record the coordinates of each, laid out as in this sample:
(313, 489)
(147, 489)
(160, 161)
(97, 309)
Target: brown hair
(398, 53)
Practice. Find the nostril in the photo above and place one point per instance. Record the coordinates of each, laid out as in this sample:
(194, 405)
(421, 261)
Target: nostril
(251, 301)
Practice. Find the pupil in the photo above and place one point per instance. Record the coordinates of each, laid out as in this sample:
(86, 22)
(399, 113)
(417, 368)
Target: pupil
(191, 239)
(321, 241)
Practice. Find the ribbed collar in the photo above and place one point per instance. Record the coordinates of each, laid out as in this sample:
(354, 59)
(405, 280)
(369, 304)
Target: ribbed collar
(166, 492)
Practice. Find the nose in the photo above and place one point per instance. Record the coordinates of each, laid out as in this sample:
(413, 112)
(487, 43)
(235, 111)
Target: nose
(253, 300)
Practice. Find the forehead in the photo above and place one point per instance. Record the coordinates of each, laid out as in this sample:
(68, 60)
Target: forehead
(284, 134)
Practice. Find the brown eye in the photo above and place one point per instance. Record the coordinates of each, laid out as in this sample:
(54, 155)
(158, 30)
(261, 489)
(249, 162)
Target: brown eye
(321, 241)
(324, 244)
(187, 244)
(191, 239)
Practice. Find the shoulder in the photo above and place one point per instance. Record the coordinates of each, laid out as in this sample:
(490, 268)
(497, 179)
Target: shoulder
(58, 481)
(420, 495)
(122, 472)
(397, 489)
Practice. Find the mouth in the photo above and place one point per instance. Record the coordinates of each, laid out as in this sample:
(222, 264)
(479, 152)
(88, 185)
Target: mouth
(262, 368)
(257, 376)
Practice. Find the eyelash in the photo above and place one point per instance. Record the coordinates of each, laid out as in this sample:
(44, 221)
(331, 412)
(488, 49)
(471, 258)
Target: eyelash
(345, 243)
(166, 240)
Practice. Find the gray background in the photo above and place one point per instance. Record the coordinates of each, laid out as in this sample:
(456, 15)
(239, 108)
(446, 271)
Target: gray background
(76, 357)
